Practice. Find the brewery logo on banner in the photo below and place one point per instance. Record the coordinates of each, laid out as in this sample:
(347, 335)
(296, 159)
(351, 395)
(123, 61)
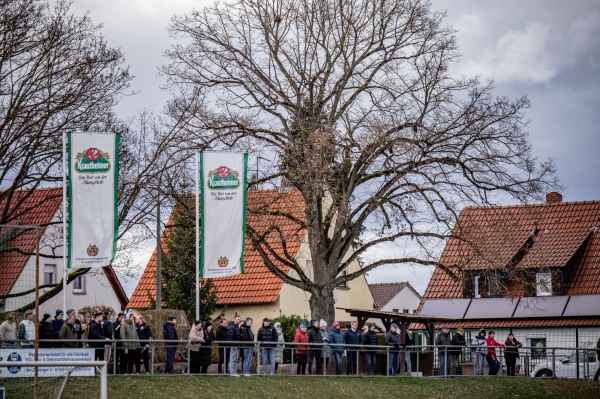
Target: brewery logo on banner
(223, 178)
(92, 160)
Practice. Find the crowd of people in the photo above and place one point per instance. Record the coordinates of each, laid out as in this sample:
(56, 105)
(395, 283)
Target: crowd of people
(313, 344)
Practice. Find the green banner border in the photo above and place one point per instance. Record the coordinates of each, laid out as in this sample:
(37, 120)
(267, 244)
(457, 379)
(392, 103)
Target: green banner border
(245, 205)
(69, 196)
(117, 147)
(200, 181)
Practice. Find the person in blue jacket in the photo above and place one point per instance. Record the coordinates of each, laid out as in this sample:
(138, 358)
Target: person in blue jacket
(336, 337)
(352, 337)
(170, 334)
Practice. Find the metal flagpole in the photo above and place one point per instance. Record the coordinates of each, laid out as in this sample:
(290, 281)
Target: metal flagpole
(64, 222)
(197, 235)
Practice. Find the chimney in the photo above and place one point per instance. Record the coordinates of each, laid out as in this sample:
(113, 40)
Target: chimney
(553, 198)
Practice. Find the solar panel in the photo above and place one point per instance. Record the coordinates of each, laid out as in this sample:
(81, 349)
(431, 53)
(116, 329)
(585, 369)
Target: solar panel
(491, 308)
(550, 306)
(583, 305)
(449, 308)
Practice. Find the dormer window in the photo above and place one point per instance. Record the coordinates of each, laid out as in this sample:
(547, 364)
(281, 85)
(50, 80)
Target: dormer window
(543, 284)
(476, 292)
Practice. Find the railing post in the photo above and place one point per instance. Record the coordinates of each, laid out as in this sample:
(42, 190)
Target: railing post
(446, 361)
(189, 363)
(152, 360)
(114, 357)
(554, 362)
(258, 356)
(387, 366)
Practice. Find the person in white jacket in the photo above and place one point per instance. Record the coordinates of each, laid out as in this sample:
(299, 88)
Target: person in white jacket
(480, 347)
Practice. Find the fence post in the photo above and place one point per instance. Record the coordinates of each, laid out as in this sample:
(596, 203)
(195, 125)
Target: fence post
(446, 361)
(115, 358)
(387, 366)
(189, 363)
(258, 355)
(418, 355)
(553, 362)
(152, 360)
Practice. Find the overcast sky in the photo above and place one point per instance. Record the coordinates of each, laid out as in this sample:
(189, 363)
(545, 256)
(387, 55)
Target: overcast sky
(548, 50)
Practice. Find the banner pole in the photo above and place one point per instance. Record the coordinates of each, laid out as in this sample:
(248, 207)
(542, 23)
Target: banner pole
(197, 235)
(64, 204)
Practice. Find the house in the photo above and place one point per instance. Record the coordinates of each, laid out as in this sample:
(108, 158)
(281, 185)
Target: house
(533, 270)
(258, 293)
(398, 297)
(43, 207)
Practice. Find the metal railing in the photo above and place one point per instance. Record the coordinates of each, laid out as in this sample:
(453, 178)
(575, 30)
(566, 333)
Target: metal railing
(340, 359)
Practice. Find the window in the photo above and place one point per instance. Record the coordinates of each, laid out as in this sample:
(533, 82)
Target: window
(476, 293)
(404, 310)
(395, 310)
(344, 284)
(538, 347)
(49, 274)
(79, 285)
(414, 311)
(543, 284)
(308, 270)
(2, 306)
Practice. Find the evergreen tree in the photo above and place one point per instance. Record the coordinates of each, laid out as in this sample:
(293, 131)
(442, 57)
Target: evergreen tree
(179, 267)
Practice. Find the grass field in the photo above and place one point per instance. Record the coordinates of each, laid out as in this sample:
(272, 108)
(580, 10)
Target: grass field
(317, 387)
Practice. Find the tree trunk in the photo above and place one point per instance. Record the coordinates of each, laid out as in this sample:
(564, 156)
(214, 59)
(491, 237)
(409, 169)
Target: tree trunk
(322, 305)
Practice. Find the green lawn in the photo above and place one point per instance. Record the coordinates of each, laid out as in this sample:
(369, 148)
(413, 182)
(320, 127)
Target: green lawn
(318, 387)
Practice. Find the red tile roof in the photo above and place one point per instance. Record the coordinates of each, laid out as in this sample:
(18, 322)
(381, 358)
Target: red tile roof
(266, 208)
(384, 292)
(34, 208)
(562, 229)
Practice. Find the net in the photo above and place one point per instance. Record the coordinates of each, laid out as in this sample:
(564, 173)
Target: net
(54, 380)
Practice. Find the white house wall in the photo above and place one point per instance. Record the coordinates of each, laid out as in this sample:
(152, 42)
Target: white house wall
(98, 290)
(404, 299)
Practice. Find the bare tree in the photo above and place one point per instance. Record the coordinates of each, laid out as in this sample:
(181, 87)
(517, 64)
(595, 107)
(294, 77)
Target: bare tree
(56, 74)
(357, 101)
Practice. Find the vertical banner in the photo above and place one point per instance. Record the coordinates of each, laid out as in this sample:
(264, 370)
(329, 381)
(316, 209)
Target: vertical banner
(93, 213)
(223, 213)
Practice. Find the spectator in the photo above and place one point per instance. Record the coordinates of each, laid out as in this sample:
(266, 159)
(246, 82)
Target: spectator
(280, 346)
(8, 331)
(96, 336)
(247, 336)
(68, 333)
(46, 333)
(131, 342)
(458, 342)
(145, 336)
(27, 330)
(442, 341)
(491, 355)
(58, 321)
(511, 354)
(301, 339)
(196, 339)
(370, 340)
(335, 339)
(326, 352)
(352, 338)
(392, 339)
(170, 334)
(223, 335)
(408, 342)
(76, 325)
(597, 375)
(234, 336)
(107, 330)
(315, 349)
(119, 351)
(480, 344)
(267, 336)
(206, 348)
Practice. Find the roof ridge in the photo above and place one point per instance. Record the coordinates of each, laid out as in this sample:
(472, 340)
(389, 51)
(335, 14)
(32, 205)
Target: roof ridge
(536, 205)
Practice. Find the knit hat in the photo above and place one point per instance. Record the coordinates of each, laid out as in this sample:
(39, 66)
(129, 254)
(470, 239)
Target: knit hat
(369, 325)
(278, 325)
(336, 324)
(303, 325)
(312, 322)
(70, 311)
(171, 317)
(322, 323)
(59, 312)
(128, 315)
(46, 316)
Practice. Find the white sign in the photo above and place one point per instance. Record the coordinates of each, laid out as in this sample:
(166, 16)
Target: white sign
(45, 355)
(223, 213)
(93, 213)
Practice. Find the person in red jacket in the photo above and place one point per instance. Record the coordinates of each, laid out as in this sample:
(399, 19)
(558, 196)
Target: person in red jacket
(491, 357)
(301, 350)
